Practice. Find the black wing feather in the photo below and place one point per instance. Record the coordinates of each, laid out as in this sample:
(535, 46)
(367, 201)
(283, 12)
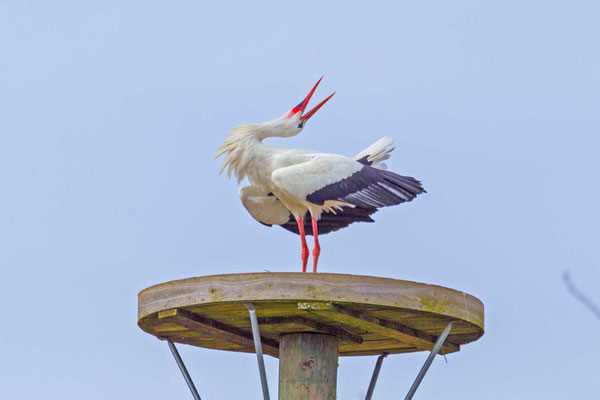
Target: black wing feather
(370, 188)
(330, 222)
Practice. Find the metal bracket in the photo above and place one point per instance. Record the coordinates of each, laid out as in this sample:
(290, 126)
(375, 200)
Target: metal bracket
(258, 348)
(183, 369)
(375, 376)
(436, 348)
(261, 363)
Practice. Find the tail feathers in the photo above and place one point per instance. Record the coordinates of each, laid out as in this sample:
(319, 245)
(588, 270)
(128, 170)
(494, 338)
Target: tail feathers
(375, 154)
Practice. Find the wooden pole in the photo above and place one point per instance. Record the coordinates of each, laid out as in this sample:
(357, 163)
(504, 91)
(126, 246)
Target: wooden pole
(308, 366)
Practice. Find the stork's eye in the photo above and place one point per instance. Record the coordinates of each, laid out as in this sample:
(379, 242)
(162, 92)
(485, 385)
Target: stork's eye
(301, 124)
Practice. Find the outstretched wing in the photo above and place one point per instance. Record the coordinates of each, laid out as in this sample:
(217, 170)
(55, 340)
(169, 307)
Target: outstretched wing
(333, 177)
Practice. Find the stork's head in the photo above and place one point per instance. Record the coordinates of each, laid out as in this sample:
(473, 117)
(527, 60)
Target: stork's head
(293, 121)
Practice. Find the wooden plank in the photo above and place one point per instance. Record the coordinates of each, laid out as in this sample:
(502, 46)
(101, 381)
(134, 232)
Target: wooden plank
(227, 333)
(237, 310)
(380, 345)
(261, 288)
(379, 352)
(317, 326)
(404, 334)
(397, 314)
(178, 335)
(168, 327)
(276, 330)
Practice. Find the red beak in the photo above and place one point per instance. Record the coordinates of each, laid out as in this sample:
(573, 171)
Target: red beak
(309, 114)
(302, 106)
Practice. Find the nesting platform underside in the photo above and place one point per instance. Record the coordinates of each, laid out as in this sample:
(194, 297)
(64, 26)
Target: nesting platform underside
(369, 315)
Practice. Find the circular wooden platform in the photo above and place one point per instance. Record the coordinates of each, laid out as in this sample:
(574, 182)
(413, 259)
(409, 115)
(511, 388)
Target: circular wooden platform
(369, 315)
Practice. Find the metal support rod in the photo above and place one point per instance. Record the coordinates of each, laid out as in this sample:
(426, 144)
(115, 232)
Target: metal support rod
(434, 351)
(181, 365)
(375, 376)
(258, 348)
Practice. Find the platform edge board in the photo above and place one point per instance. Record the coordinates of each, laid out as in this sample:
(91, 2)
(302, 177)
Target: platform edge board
(306, 287)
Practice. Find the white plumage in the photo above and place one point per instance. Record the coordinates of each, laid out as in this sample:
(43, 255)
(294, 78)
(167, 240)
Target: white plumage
(265, 208)
(286, 184)
(378, 152)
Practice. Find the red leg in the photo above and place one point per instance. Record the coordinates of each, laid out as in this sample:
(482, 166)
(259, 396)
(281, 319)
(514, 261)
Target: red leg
(317, 248)
(300, 222)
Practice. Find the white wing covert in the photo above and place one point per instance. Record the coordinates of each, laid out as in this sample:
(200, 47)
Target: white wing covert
(300, 180)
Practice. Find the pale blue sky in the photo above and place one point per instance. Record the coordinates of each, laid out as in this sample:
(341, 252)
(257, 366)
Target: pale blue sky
(110, 116)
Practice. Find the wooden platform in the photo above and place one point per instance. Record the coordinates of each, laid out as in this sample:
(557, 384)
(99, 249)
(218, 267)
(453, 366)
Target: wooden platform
(369, 315)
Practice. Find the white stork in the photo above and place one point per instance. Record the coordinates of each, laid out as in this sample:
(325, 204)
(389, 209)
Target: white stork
(287, 183)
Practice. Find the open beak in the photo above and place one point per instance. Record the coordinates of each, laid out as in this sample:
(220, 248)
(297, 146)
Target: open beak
(302, 106)
(309, 114)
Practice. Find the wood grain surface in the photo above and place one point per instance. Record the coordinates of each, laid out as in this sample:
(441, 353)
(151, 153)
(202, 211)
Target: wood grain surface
(369, 315)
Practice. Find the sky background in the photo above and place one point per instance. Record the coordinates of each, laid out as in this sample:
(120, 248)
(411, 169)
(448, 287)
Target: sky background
(110, 116)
